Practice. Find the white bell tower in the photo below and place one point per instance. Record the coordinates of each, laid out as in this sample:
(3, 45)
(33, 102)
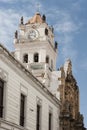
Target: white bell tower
(35, 47)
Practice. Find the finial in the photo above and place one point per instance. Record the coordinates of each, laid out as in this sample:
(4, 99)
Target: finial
(38, 7)
(22, 21)
(56, 44)
(44, 18)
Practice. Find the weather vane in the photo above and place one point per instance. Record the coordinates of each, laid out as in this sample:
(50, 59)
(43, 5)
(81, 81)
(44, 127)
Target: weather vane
(38, 7)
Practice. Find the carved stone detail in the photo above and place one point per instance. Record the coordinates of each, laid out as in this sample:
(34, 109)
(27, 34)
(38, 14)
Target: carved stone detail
(70, 118)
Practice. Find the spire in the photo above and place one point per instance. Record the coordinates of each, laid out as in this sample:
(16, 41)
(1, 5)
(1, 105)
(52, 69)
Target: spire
(68, 67)
(22, 21)
(37, 18)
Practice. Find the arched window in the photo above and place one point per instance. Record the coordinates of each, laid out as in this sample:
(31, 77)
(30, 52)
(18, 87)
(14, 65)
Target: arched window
(47, 59)
(46, 31)
(36, 57)
(25, 58)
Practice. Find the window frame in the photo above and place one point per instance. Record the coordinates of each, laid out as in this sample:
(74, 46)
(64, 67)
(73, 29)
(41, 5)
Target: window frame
(2, 99)
(38, 122)
(50, 121)
(50, 112)
(24, 114)
(39, 103)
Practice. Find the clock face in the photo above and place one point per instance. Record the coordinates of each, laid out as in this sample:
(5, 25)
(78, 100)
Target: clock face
(32, 34)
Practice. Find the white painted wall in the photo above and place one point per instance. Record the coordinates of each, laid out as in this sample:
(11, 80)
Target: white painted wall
(18, 82)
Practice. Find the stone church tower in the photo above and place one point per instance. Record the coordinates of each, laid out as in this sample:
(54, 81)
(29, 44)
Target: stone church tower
(70, 117)
(36, 49)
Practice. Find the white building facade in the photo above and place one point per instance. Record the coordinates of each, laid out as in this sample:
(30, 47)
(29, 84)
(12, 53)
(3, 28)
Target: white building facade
(29, 97)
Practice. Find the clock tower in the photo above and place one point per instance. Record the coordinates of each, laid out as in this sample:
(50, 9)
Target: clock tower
(35, 48)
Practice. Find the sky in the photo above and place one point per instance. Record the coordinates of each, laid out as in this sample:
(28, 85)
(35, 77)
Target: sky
(69, 19)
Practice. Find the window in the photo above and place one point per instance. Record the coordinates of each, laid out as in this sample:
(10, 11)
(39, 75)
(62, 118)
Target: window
(46, 31)
(47, 59)
(22, 110)
(36, 57)
(25, 58)
(50, 121)
(38, 117)
(1, 97)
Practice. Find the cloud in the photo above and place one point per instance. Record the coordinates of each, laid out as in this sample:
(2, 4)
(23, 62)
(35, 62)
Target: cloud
(68, 50)
(77, 5)
(66, 27)
(8, 1)
(63, 23)
(9, 20)
(83, 64)
(22, 1)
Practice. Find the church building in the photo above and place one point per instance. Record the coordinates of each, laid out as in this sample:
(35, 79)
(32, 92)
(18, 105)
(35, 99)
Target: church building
(33, 94)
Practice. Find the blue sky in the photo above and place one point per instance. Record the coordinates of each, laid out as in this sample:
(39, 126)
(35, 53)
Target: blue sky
(69, 19)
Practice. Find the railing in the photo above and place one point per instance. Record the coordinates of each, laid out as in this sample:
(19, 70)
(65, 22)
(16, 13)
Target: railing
(38, 67)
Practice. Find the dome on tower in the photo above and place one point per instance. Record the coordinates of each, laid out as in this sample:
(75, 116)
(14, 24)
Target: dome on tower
(35, 19)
